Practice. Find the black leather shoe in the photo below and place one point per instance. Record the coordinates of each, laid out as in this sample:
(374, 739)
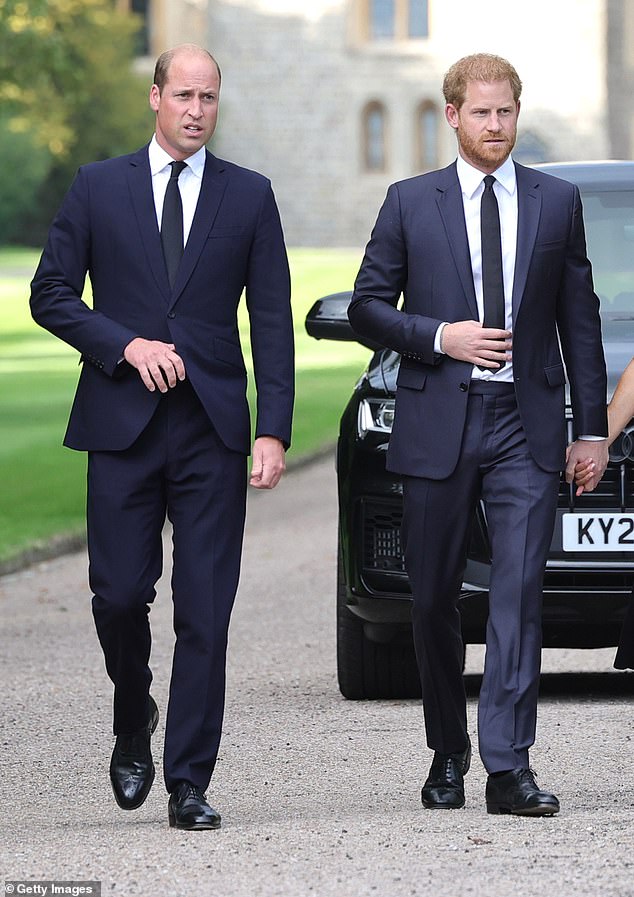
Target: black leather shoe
(444, 788)
(188, 809)
(131, 766)
(517, 792)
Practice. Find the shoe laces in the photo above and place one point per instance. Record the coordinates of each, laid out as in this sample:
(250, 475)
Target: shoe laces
(188, 789)
(528, 775)
(450, 766)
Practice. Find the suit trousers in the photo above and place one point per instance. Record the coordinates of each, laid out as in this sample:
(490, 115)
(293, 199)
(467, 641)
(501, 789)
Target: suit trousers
(177, 467)
(519, 500)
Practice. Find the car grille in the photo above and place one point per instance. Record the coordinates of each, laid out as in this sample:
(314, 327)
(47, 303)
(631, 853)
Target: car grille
(568, 580)
(382, 551)
(614, 492)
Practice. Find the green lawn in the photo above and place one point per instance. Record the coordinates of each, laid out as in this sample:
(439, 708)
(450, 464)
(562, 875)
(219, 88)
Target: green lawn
(43, 483)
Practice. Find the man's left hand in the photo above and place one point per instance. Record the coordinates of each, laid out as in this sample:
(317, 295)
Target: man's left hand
(592, 456)
(268, 463)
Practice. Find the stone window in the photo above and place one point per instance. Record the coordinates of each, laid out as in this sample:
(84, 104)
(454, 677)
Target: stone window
(141, 9)
(374, 128)
(426, 142)
(395, 19)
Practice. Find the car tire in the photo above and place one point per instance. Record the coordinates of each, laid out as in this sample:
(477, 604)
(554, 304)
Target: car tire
(369, 670)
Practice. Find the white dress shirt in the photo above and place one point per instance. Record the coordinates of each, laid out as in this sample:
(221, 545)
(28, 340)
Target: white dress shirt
(505, 189)
(189, 182)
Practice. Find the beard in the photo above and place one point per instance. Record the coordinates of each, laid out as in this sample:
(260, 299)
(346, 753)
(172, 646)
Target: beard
(483, 154)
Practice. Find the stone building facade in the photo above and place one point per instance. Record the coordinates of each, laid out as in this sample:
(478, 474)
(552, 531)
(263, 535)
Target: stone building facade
(335, 99)
(620, 75)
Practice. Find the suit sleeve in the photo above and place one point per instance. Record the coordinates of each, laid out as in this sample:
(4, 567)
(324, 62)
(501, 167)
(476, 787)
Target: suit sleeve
(57, 287)
(381, 280)
(579, 326)
(268, 297)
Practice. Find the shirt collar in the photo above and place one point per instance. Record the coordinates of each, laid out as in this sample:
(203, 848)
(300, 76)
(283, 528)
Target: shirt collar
(471, 178)
(159, 159)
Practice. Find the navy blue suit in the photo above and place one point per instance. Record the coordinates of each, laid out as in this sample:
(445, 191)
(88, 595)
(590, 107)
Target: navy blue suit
(182, 453)
(455, 442)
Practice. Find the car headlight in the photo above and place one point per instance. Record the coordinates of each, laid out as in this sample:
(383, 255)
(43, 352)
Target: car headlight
(375, 416)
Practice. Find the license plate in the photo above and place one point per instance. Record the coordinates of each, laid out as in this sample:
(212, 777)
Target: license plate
(598, 532)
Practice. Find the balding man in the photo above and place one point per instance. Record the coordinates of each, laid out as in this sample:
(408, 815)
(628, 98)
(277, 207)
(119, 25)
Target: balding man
(170, 237)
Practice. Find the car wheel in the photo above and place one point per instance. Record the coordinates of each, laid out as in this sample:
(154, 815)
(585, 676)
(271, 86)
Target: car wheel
(368, 669)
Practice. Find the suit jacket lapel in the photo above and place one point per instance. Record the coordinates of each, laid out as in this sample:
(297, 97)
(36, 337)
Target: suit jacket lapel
(529, 206)
(449, 202)
(212, 190)
(140, 183)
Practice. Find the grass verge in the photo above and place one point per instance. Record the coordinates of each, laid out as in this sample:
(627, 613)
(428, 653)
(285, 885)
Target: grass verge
(43, 494)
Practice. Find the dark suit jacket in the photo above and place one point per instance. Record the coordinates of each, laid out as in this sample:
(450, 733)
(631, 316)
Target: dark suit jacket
(107, 227)
(419, 248)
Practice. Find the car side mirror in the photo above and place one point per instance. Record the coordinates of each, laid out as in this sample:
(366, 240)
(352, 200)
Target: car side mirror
(328, 319)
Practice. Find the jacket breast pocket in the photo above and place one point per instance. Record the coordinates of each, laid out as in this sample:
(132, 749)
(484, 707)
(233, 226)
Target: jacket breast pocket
(227, 230)
(411, 378)
(555, 375)
(549, 245)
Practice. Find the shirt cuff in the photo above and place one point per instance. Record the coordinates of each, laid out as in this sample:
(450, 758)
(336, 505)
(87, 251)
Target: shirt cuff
(438, 338)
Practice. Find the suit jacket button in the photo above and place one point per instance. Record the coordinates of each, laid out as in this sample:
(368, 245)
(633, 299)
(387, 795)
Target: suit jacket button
(463, 387)
(171, 314)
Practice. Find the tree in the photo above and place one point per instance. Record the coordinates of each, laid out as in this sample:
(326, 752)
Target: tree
(67, 85)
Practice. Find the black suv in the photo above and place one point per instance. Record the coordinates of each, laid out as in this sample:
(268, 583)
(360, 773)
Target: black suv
(588, 577)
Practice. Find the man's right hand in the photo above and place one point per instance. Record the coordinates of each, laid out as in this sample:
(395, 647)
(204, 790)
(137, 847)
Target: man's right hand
(158, 363)
(470, 341)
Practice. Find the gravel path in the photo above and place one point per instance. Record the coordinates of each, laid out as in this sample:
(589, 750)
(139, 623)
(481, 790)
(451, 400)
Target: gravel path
(319, 796)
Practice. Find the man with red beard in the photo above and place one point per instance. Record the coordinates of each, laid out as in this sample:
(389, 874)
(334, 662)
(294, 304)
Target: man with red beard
(490, 258)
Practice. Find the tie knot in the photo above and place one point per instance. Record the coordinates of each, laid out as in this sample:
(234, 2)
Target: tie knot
(177, 167)
(489, 181)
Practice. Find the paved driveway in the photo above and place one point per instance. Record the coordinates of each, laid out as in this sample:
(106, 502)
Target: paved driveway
(319, 796)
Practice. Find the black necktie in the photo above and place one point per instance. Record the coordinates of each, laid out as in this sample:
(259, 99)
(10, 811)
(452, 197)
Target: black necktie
(492, 280)
(172, 223)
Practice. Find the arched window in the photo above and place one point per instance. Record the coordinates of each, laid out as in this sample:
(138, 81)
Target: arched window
(426, 136)
(374, 136)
